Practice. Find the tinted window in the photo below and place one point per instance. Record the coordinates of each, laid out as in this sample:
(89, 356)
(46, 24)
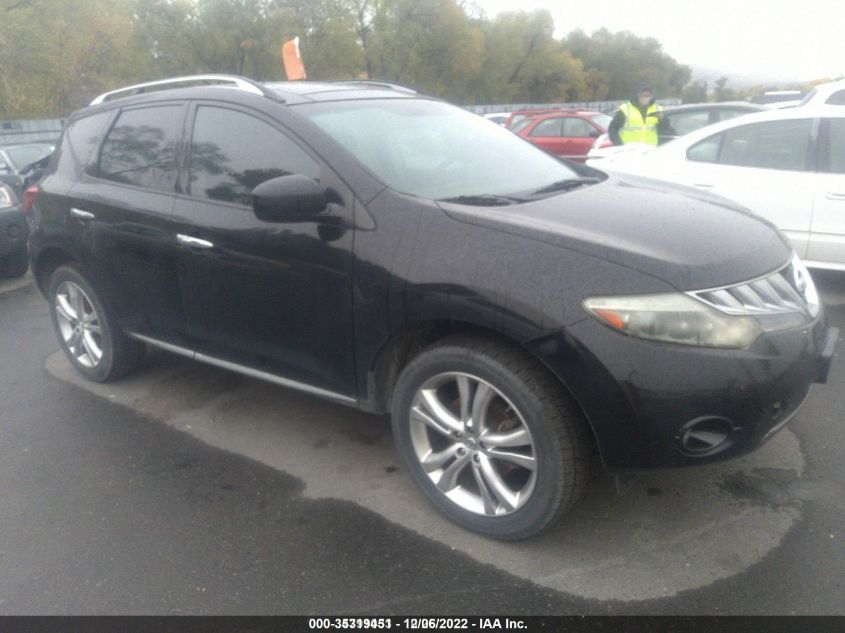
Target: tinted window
(140, 149)
(837, 98)
(232, 153)
(772, 145)
(835, 146)
(706, 151)
(577, 128)
(81, 140)
(548, 127)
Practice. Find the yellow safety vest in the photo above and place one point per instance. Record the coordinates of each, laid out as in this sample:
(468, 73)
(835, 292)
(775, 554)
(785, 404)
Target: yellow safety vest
(635, 129)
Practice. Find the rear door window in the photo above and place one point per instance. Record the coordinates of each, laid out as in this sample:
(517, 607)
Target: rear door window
(548, 127)
(141, 147)
(573, 127)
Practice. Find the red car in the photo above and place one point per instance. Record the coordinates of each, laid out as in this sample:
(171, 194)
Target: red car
(568, 134)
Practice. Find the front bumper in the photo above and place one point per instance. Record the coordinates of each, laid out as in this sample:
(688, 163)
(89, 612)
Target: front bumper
(14, 230)
(648, 402)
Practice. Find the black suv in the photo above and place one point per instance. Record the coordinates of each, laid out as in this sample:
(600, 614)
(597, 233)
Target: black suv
(514, 313)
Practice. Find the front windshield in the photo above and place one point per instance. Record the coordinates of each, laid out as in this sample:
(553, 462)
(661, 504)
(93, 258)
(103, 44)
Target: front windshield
(28, 154)
(602, 120)
(435, 150)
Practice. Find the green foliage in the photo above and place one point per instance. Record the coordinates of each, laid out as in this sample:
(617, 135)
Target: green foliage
(58, 54)
(624, 60)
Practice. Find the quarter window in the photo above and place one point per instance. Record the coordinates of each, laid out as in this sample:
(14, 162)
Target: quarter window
(80, 142)
(141, 147)
(706, 151)
(837, 98)
(233, 152)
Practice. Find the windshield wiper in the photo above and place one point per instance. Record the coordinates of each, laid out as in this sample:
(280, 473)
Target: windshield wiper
(565, 185)
(484, 200)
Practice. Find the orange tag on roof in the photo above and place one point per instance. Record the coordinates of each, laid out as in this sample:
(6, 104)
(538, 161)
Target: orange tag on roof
(294, 68)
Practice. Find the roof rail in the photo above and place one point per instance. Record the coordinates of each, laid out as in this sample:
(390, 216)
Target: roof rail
(376, 83)
(241, 83)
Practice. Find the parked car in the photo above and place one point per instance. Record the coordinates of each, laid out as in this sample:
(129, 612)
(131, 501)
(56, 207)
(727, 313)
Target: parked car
(518, 115)
(498, 117)
(568, 134)
(16, 161)
(830, 93)
(681, 120)
(785, 165)
(13, 233)
(514, 313)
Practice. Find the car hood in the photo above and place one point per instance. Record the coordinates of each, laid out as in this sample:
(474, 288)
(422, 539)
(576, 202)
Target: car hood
(689, 239)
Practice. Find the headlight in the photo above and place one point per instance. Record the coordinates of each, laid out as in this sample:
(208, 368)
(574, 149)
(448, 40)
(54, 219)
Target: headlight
(674, 318)
(6, 197)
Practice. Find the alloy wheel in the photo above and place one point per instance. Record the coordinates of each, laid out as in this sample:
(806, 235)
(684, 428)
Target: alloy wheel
(473, 444)
(79, 324)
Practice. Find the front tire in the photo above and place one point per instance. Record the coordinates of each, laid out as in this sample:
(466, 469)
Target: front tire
(87, 329)
(490, 437)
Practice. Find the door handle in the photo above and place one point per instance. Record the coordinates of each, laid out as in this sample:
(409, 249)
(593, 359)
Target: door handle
(80, 214)
(193, 242)
(834, 195)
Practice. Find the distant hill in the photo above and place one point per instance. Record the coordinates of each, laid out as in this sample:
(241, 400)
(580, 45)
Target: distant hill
(740, 80)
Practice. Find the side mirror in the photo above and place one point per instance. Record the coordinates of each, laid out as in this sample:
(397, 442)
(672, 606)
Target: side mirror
(289, 199)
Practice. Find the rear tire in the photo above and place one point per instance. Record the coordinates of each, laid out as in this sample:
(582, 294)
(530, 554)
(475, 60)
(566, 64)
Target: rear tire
(14, 264)
(87, 329)
(471, 415)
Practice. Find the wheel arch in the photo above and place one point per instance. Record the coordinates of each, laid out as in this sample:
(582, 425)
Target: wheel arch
(403, 346)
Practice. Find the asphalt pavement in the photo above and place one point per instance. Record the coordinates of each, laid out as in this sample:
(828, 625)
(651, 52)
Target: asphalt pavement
(186, 489)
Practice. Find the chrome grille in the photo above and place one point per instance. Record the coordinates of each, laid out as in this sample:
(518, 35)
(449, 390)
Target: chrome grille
(788, 290)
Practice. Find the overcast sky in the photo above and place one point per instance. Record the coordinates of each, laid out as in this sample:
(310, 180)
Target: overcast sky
(776, 39)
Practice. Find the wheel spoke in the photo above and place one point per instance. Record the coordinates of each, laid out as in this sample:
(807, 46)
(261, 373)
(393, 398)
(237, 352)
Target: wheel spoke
(421, 416)
(486, 496)
(436, 460)
(449, 479)
(93, 328)
(483, 395)
(73, 343)
(464, 391)
(499, 488)
(75, 297)
(525, 461)
(90, 345)
(519, 437)
(64, 309)
(441, 414)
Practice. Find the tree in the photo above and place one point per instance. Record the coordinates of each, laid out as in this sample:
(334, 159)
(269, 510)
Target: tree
(625, 60)
(524, 63)
(63, 54)
(695, 92)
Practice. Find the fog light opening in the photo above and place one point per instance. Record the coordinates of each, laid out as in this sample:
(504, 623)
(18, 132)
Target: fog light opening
(705, 435)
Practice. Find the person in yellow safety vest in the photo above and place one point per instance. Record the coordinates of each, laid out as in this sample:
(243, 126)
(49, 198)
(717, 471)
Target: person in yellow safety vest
(637, 120)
